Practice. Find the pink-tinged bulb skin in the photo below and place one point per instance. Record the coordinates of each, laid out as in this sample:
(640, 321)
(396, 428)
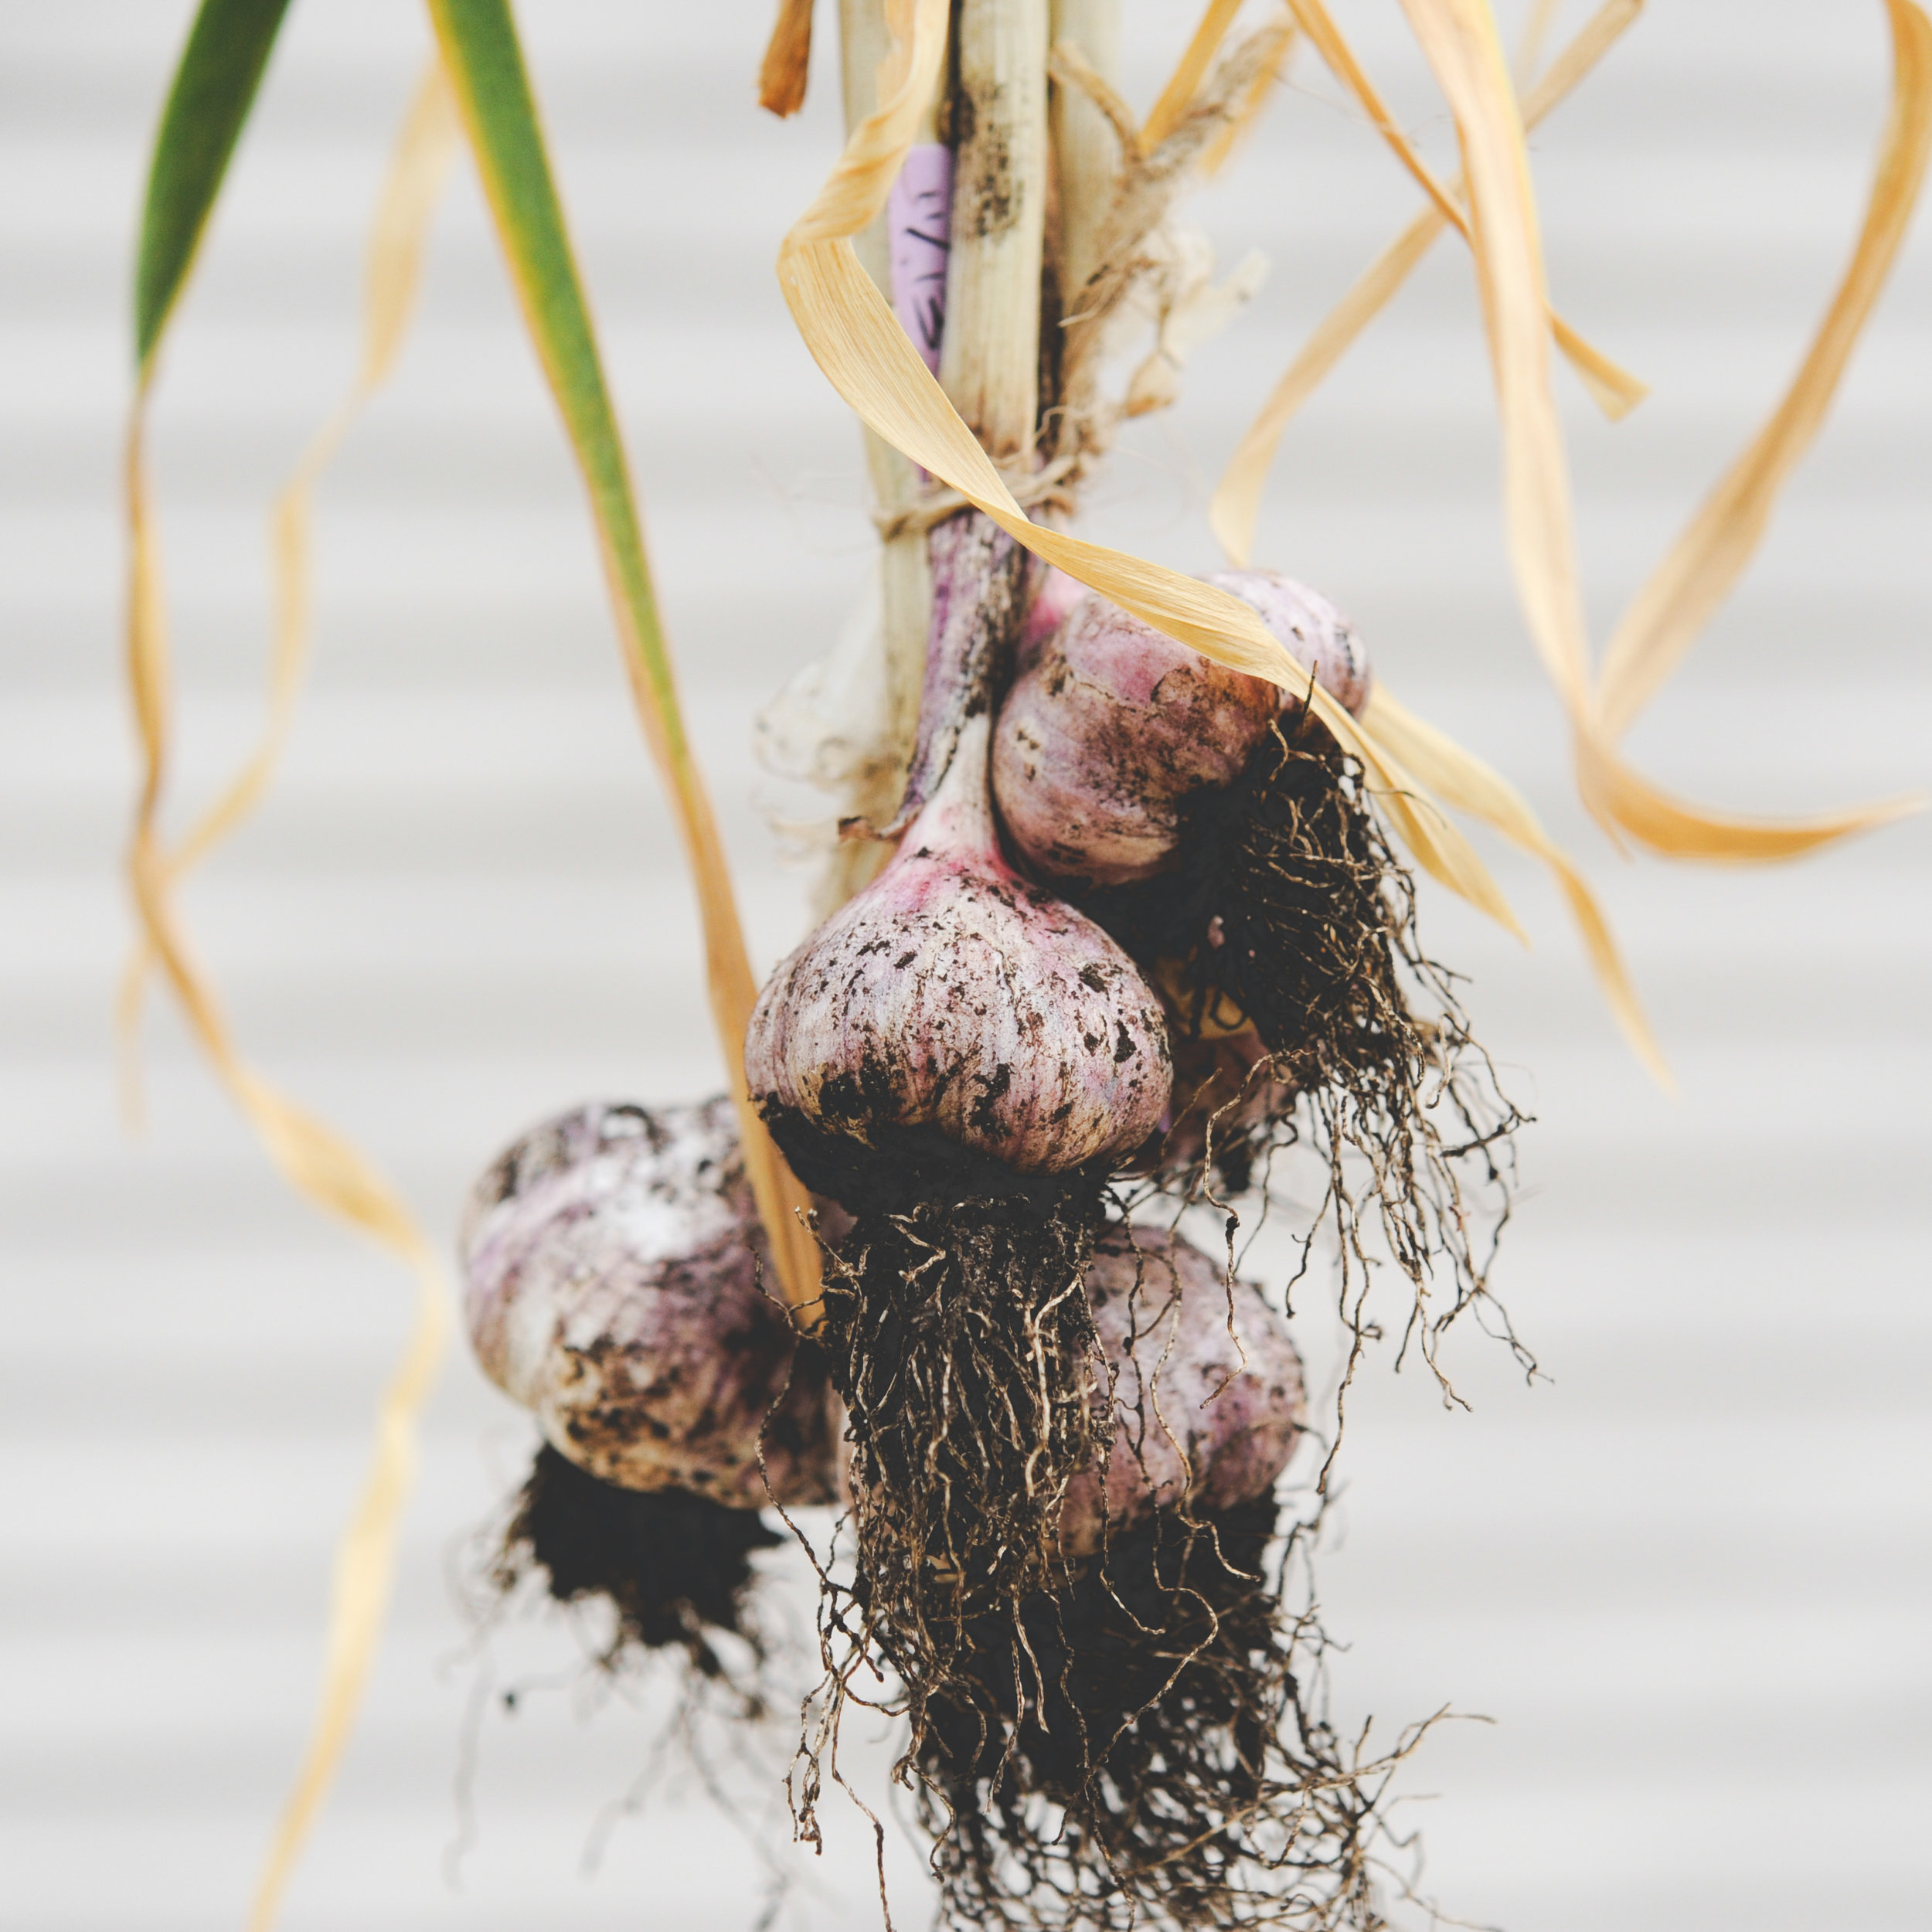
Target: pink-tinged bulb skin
(1199, 1418)
(1053, 602)
(1103, 741)
(1305, 623)
(952, 994)
(613, 1261)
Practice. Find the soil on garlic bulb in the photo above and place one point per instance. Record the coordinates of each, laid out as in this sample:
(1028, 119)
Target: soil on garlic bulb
(1310, 1027)
(614, 1273)
(1215, 827)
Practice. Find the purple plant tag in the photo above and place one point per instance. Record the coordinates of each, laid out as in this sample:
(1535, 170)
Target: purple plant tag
(919, 220)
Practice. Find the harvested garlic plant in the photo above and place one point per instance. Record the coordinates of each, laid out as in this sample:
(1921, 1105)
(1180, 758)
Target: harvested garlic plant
(613, 1264)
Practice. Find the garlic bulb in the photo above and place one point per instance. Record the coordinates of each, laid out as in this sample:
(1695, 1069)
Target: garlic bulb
(1105, 742)
(613, 1260)
(951, 995)
(1199, 1417)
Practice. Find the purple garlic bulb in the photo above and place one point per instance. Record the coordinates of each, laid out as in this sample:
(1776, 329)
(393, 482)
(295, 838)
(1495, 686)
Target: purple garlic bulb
(1198, 1418)
(1305, 623)
(951, 995)
(1103, 742)
(613, 1261)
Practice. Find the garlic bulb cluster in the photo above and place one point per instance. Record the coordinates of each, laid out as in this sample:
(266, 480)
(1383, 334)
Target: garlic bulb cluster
(1202, 1416)
(614, 1270)
(1114, 733)
(951, 994)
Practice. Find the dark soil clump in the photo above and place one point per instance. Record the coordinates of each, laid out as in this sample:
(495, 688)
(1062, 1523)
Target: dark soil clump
(674, 1567)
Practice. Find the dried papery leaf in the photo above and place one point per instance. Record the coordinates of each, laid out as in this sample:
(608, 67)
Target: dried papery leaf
(479, 42)
(1536, 34)
(1463, 780)
(1190, 309)
(1127, 243)
(787, 61)
(1615, 391)
(1237, 497)
(854, 339)
(1459, 39)
(393, 271)
(1185, 82)
(1279, 48)
(1666, 616)
(213, 89)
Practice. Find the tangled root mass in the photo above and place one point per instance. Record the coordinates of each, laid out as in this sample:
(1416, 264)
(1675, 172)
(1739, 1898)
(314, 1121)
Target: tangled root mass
(1144, 1746)
(959, 1338)
(674, 1567)
(1310, 1017)
(962, 1346)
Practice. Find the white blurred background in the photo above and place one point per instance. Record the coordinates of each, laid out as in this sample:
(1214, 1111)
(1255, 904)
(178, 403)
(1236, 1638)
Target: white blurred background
(1687, 1576)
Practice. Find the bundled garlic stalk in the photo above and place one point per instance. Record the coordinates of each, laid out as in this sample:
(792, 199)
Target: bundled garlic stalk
(614, 1273)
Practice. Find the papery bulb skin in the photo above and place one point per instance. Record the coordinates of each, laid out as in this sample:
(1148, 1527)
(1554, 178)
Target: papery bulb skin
(1305, 623)
(954, 996)
(613, 1262)
(1200, 1418)
(1104, 743)
(1101, 744)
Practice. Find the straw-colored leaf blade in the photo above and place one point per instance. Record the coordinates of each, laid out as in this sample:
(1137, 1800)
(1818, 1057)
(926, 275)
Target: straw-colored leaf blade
(214, 87)
(1466, 782)
(1614, 390)
(1668, 615)
(208, 104)
(1237, 497)
(1622, 797)
(1185, 82)
(480, 46)
(1459, 39)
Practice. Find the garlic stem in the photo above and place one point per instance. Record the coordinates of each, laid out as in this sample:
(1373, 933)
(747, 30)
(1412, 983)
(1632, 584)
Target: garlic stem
(989, 363)
(980, 581)
(1086, 151)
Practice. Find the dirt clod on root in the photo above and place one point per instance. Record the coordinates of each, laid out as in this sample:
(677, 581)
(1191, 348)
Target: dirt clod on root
(674, 1567)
